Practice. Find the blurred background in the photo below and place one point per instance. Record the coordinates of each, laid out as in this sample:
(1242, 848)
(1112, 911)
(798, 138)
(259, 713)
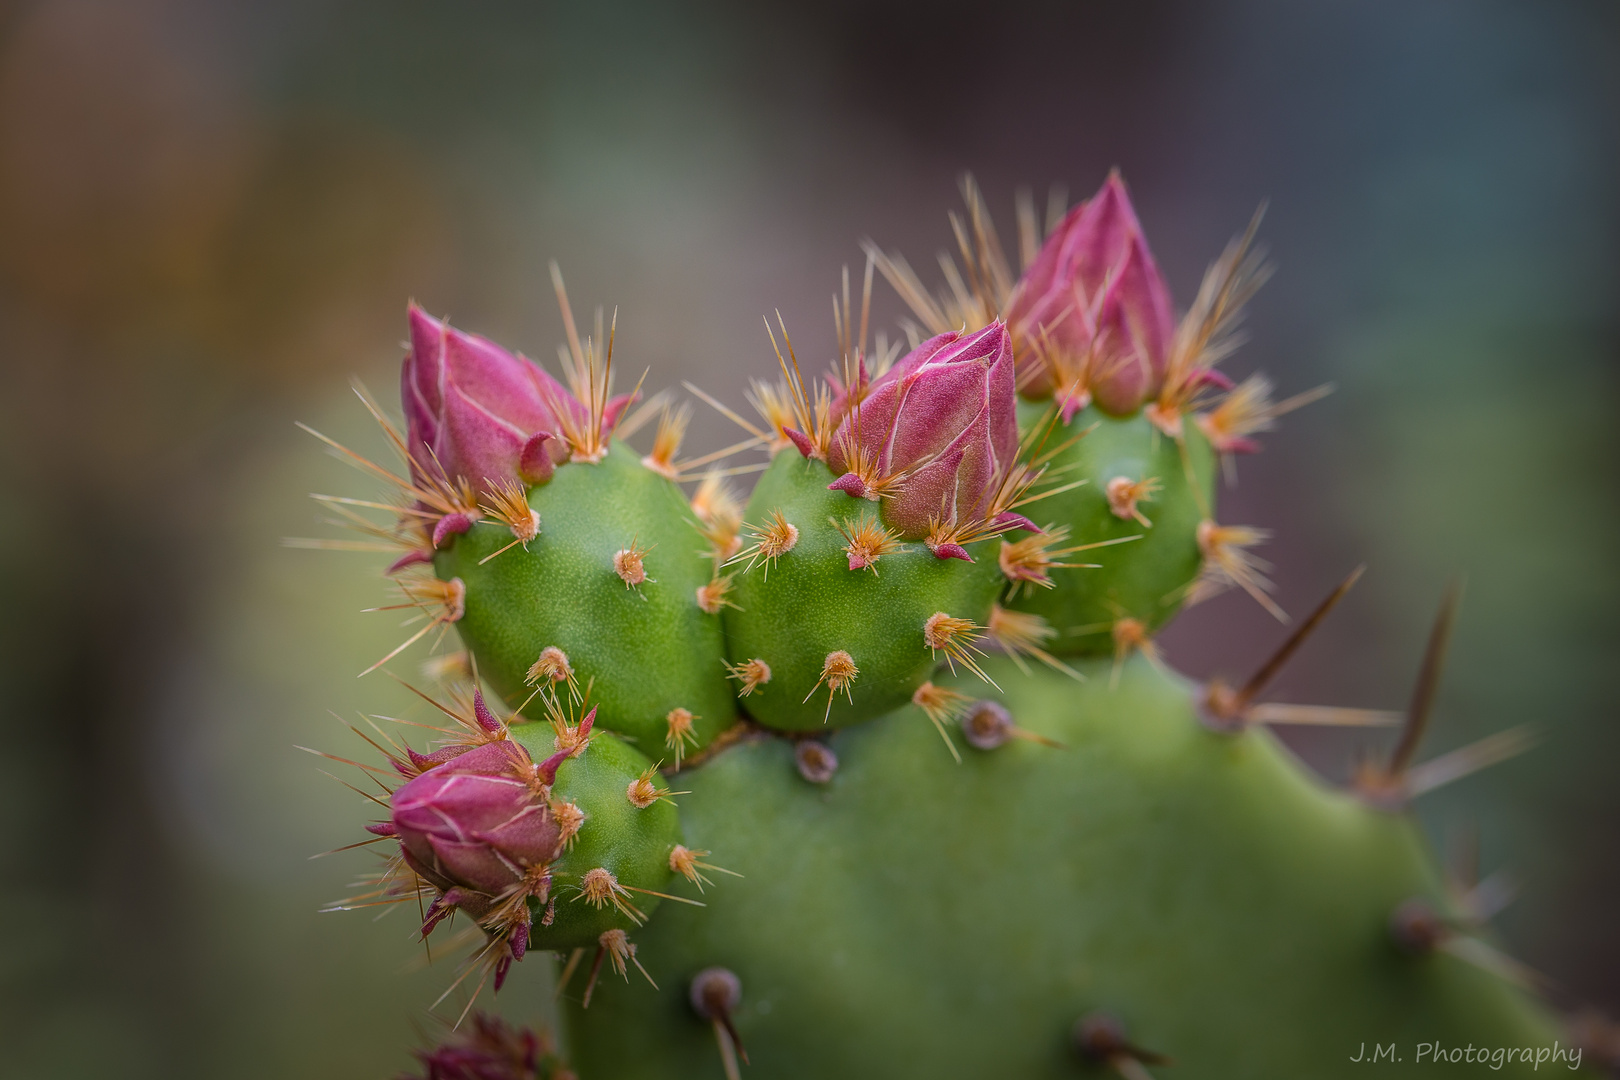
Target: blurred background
(211, 216)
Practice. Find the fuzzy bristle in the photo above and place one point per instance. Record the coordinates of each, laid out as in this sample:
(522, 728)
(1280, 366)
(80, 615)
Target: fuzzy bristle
(622, 951)
(712, 596)
(1124, 494)
(1207, 333)
(1131, 635)
(1247, 410)
(1020, 634)
(449, 668)
(775, 538)
(940, 703)
(1228, 563)
(752, 674)
(838, 672)
(588, 371)
(443, 602)
(719, 515)
(689, 863)
(643, 791)
(956, 638)
(568, 818)
(630, 563)
(866, 541)
(598, 888)
(672, 423)
(1028, 563)
(552, 667)
(508, 503)
(571, 736)
(774, 403)
(680, 733)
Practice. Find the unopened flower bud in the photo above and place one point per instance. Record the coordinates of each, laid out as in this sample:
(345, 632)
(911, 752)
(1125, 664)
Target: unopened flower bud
(1094, 297)
(935, 434)
(476, 412)
(476, 821)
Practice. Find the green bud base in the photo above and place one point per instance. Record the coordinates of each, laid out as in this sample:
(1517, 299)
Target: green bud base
(631, 843)
(643, 650)
(795, 610)
(1143, 579)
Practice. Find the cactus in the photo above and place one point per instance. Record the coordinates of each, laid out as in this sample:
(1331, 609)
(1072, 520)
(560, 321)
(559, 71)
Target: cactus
(1112, 868)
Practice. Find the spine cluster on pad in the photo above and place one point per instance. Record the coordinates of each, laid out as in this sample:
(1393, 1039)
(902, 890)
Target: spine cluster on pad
(972, 538)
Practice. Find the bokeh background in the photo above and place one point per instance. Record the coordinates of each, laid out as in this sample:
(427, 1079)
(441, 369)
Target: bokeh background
(211, 216)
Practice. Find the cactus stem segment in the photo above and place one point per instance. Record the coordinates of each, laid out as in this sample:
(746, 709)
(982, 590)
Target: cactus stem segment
(630, 564)
(1228, 562)
(956, 638)
(866, 541)
(714, 995)
(815, 761)
(838, 671)
(1099, 1038)
(680, 732)
(1124, 494)
(689, 863)
(772, 540)
(712, 597)
(752, 674)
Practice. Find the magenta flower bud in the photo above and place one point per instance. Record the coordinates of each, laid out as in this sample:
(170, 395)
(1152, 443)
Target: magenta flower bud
(475, 822)
(476, 412)
(1095, 297)
(491, 1050)
(935, 434)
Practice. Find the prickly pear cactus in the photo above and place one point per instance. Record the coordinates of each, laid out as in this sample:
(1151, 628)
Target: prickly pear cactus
(1105, 866)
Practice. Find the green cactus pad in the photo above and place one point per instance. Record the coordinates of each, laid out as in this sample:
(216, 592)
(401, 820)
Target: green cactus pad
(632, 843)
(918, 918)
(794, 611)
(644, 650)
(1144, 579)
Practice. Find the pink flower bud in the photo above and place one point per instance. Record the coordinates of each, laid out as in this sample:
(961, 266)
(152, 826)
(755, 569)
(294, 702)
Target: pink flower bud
(491, 1049)
(1095, 296)
(935, 434)
(478, 413)
(476, 821)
